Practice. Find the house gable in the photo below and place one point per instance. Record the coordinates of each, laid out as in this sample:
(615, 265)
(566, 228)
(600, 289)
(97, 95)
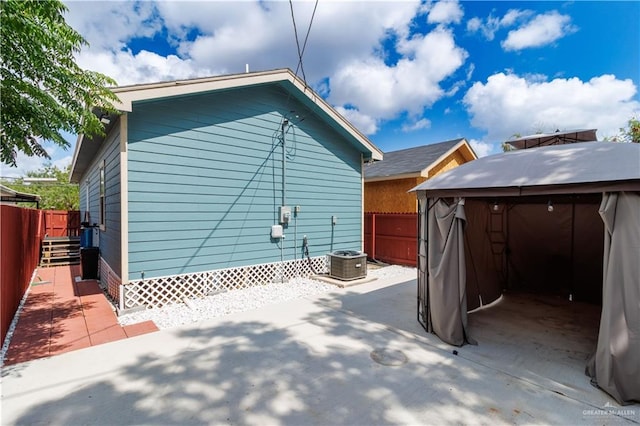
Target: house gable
(205, 180)
(285, 78)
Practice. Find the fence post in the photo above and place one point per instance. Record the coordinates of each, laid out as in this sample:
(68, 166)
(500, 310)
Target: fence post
(373, 236)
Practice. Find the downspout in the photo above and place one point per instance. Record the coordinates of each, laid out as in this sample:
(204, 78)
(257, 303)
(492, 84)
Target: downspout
(285, 123)
(362, 185)
(427, 305)
(124, 209)
(420, 242)
(573, 236)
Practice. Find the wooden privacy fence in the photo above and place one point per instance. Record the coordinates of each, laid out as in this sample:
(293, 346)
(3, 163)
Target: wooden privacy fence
(391, 237)
(62, 223)
(21, 233)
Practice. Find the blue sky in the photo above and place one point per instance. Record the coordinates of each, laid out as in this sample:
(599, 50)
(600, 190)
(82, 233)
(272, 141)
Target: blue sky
(406, 73)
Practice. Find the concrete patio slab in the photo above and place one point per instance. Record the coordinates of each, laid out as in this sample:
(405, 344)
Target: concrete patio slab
(302, 362)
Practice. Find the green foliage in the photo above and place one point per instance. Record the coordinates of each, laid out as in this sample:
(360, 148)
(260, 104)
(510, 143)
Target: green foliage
(632, 132)
(43, 90)
(629, 134)
(59, 195)
(506, 147)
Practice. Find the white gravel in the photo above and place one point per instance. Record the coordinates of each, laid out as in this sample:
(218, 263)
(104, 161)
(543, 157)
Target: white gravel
(195, 310)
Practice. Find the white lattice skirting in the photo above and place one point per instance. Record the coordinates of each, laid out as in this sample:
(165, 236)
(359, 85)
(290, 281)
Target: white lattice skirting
(157, 292)
(110, 280)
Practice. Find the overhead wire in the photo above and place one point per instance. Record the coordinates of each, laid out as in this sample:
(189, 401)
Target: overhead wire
(295, 33)
(300, 66)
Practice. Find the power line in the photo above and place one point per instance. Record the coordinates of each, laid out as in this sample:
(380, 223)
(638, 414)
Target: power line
(295, 33)
(306, 38)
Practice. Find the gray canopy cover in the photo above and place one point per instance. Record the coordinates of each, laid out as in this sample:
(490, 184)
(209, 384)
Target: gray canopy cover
(596, 186)
(615, 367)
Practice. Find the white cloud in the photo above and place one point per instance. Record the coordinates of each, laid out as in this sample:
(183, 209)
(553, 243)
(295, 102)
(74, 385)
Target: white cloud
(423, 123)
(262, 34)
(542, 30)
(482, 149)
(512, 16)
(229, 35)
(108, 25)
(474, 24)
(445, 12)
(24, 164)
(364, 123)
(491, 25)
(144, 67)
(470, 69)
(508, 104)
(212, 38)
(60, 158)
(383, 92)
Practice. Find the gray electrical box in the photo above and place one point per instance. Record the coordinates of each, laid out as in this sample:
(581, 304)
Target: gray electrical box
(285, 214)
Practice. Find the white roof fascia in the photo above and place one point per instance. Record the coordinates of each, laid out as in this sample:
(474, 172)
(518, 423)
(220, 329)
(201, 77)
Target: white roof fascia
(140, 92)
(76, 151)
(394, 177)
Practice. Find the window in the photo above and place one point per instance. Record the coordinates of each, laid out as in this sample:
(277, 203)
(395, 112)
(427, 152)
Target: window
(102, 197)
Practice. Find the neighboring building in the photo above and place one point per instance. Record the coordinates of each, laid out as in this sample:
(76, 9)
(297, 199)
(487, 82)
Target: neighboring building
(11, 196)
(191, 177)
(387, 182)
(391, 228)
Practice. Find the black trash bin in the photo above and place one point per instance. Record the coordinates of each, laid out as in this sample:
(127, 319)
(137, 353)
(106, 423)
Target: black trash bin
(89, 262)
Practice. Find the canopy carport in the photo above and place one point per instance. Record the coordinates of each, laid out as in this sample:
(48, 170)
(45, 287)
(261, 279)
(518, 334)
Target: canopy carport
(563, 218)
(556, 138)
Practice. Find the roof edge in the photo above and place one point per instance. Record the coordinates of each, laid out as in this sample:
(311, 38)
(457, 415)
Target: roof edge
(76, 151)
(408, 175)
(19, 196)
(632, 185)
(462, 142)
(138, 92)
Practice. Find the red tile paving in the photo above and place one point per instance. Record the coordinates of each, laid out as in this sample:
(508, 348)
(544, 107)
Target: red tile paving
(62, 315)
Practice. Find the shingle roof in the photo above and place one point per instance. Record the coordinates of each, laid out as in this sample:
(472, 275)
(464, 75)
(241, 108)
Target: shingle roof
(410, 160)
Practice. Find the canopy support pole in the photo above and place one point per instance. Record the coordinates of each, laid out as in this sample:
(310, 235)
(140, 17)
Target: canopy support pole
(573, 232)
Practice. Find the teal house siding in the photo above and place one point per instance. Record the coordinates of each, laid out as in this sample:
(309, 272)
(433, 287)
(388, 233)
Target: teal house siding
(205, 182)
(89, 196)
(197, 172)
(109, 239)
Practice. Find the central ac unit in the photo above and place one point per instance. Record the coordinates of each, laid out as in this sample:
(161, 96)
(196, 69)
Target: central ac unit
(347, 265)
